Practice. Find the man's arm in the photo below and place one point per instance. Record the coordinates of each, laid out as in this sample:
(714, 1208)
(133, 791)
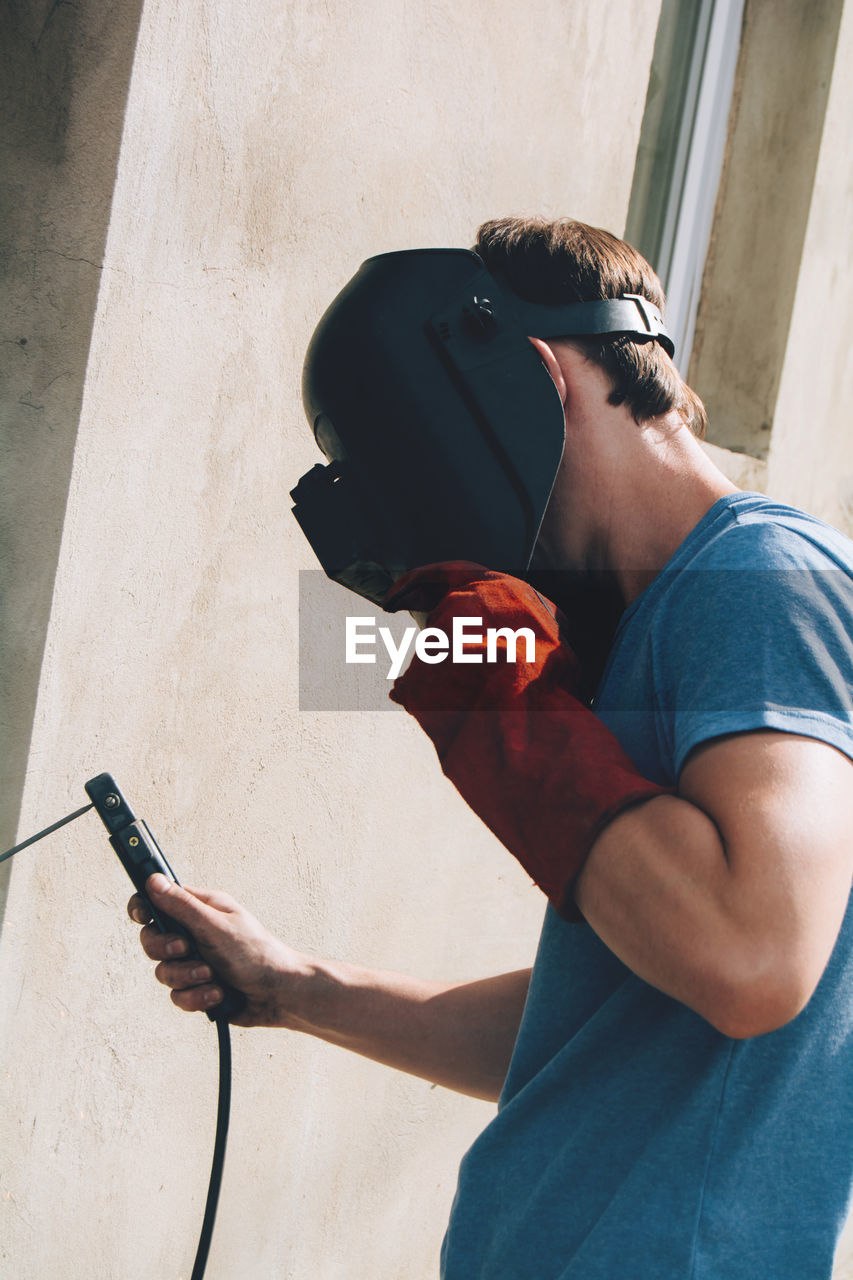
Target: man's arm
(730, 895)
(459, 1035)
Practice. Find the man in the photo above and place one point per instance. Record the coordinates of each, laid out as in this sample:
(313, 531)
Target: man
(675, 1075)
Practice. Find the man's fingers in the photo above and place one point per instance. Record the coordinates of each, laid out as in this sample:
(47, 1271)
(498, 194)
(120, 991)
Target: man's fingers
(205, 915)
(202, 911)
(161, 946)
(180, 975)
(214, 898)
(195, 999)
(188, 905)
(183, 905)
(139, 910)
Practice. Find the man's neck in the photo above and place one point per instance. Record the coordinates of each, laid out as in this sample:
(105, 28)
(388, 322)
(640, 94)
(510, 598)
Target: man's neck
(666, 505)
(645, 488)
(605, 541)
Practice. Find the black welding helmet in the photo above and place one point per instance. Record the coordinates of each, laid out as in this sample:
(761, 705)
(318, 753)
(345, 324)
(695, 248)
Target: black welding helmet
(442, 428)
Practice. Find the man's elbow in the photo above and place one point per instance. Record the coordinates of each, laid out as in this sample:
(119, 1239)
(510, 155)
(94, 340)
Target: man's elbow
(744, 1006)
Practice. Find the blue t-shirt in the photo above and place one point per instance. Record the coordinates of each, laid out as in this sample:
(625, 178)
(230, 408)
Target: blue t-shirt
(633, 1141)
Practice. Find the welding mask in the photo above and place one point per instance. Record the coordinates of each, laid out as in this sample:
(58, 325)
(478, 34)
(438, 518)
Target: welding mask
(442, 428)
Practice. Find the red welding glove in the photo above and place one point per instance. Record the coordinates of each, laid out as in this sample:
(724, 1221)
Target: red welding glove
(539, 768)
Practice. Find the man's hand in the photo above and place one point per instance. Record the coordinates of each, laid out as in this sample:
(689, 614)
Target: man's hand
(232, 943)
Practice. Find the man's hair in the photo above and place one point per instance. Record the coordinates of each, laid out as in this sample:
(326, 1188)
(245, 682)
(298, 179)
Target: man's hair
(566, 261)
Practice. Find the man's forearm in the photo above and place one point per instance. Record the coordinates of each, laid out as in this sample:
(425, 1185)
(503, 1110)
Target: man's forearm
(459, 1035)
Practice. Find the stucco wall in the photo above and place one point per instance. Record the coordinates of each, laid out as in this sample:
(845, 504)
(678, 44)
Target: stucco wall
(811, 449)
(772, 359)
(266, 150)
(750, 283)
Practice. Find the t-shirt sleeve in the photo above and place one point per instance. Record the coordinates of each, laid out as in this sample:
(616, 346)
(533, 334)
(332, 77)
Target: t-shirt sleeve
(761, 640)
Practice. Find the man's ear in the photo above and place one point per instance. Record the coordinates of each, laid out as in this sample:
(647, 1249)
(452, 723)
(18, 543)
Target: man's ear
(552, 364)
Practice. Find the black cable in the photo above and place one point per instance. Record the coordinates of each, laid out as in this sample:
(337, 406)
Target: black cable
(223, 1110)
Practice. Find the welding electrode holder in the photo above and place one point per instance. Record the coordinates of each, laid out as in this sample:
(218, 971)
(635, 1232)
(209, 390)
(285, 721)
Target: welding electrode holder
(141, 857)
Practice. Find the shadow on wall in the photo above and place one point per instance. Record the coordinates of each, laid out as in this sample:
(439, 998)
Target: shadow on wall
(64, 76)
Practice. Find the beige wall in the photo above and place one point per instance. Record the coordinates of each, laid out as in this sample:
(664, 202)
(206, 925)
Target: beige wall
(265, 151)
(811, 448)
(751, 276)
(772, 355)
